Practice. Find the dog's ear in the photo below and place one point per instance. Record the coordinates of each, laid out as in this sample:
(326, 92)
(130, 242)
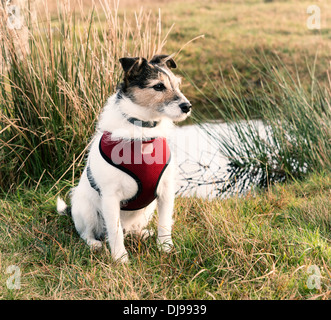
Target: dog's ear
(132, 65)
(127, 63)
(164, 59)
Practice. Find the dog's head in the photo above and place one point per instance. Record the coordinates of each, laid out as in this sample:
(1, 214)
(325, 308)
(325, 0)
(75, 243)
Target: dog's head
(151, 84)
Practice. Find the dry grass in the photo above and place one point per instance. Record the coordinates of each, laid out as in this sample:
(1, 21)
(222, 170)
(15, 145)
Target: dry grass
(257, 247)
(72, 69)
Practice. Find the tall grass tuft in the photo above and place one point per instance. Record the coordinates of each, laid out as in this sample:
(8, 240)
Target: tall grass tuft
(279, 132)
(50, 99)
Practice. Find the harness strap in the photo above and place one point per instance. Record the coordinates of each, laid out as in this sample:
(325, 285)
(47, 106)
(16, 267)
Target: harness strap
(91, 180)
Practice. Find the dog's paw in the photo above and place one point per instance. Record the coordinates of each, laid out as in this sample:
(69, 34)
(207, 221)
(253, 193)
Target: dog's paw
(165, 244)
(146, 233)
(121, 257)
(95, 245)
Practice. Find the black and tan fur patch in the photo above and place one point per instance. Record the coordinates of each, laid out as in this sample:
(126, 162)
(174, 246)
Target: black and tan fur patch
(150, 84)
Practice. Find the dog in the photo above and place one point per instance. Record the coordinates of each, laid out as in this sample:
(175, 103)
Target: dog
(129, 170)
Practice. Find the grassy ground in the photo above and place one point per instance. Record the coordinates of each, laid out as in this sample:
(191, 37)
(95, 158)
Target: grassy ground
(237, 32)
(257, 247)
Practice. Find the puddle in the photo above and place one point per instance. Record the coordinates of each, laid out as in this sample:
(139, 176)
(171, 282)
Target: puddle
(202, 168)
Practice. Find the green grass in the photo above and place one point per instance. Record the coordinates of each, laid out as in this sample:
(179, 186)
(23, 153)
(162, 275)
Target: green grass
(239, 31)
(256, 247)
(296, 121)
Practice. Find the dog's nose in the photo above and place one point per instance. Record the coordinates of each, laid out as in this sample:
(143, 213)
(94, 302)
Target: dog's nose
(185, 107)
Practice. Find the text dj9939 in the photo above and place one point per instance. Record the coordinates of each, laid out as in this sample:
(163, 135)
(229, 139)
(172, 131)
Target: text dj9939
(180, 309)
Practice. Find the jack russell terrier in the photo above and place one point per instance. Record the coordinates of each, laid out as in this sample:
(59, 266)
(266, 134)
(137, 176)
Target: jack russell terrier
(129, 168)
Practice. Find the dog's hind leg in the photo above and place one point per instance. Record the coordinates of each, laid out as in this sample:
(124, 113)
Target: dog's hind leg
(86, 218)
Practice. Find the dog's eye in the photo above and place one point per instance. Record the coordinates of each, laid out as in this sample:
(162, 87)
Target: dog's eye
(159, 87)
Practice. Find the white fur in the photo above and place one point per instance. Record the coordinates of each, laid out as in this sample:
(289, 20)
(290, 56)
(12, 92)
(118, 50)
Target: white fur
(61, 206)
(117, 185)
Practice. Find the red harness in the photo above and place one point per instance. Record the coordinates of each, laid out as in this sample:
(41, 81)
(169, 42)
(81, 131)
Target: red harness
(144, 161)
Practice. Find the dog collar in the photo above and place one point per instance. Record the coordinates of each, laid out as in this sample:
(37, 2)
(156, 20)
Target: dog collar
(140, 123)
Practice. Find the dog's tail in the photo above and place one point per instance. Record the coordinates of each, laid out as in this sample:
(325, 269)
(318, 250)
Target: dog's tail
(62, 207)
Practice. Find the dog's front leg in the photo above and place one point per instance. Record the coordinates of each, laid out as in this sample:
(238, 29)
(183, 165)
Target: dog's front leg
(165, 205)
(111, 214)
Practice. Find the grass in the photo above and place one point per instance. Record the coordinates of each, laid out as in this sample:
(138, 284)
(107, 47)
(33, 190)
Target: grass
(63, 83)
(295, 136)
(256, 247)
(238, 31)
(73, 67)
(234, 30)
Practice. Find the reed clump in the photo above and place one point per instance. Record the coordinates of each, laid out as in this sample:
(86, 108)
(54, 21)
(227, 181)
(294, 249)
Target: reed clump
(281, 132)
(51, 94)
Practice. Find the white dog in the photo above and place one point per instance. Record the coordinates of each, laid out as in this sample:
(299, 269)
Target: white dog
(129, 168)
